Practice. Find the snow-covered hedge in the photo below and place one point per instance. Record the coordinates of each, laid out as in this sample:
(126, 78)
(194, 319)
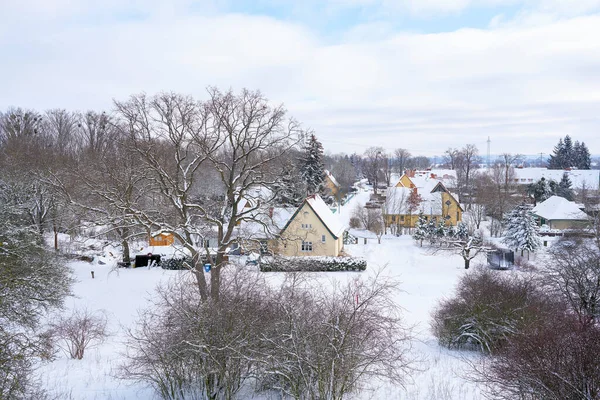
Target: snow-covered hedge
(312, 264)
(175, 263)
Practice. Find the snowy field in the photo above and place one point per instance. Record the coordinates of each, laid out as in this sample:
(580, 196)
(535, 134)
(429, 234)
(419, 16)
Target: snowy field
(121, 294)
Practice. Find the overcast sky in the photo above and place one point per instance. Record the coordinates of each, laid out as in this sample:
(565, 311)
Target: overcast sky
(420, 74)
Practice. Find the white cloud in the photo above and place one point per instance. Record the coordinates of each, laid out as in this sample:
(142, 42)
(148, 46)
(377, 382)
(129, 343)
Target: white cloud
(524, 86)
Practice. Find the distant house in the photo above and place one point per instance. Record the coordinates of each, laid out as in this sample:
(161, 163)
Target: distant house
(560, 213)
(415, 194)
(332, 185)
(162, 239)
(579, 178)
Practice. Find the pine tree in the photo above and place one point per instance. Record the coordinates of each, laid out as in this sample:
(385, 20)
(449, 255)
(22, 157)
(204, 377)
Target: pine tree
(521, 230)
(432, 231)
(542, 190)
(568, 153)
(564, 188)
(462, 232)
(289, 189)
(420, 229)
(312, 168)
(557, 159)
(582, 156)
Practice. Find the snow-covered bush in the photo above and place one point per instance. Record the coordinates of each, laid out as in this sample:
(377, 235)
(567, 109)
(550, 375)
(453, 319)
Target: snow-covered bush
(488, 309)
(345, 335)
(312, 264)
(78, 331)
(176, 263)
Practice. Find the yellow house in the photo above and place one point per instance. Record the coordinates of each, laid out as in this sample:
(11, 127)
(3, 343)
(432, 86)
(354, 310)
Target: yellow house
(331, 184)
(162, 239)
(414, 195)
(313, 230)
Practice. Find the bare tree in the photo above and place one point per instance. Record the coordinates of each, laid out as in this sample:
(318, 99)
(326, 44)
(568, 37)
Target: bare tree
(401, 160)
(373, 163)
(451, 157)
(466, 162)
(203, 159)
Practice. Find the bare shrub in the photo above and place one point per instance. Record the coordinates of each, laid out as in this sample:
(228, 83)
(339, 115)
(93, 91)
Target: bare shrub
(488, 308)
(573, 273)
(79, 331)
(303, 340)
(555, 360)
(328, 343)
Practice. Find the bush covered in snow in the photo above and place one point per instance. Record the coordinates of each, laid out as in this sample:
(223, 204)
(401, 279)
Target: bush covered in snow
(175, 263)
(489, 308)
(312, 264)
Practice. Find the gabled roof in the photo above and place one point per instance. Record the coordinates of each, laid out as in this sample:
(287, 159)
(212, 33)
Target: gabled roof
(329, 220)
(332, 178)
(559, 208)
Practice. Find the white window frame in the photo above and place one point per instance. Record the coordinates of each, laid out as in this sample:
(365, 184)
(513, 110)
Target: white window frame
(307, 247)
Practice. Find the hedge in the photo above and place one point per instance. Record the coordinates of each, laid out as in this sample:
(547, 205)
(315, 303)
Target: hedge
(312, 264)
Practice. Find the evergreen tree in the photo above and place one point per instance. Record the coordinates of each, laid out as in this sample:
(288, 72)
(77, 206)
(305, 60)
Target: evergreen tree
(432, 231)
(557, 159)
(542, 189)
(521, 230)
(568, 155)
(582, 156)
(462, 232)
(564, 188)
(312, 168)
(420, 229)
(289, 189)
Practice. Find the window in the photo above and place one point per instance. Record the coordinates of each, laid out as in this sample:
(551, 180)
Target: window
(402, 218)
(393, 218)
(448, 202)
(306, 226)
(307, 246)
(322, 238)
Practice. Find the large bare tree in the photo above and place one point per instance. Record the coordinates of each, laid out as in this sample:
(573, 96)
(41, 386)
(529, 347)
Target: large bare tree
(203, 160)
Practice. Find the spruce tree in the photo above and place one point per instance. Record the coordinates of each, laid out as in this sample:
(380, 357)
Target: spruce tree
(289, 189)
(564, 188)
(542, 189)
(582, 156)
(521, 230)
(568, 152)
(420, 229)
(462, 232)
(312, 168)
(557, 159)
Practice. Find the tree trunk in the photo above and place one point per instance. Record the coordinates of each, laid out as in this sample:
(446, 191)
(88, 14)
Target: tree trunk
(126, 252)
(467, 263)
(200, 279)
(55, 230)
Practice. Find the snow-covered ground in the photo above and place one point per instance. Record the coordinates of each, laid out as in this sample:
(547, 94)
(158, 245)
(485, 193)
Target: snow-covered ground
(425, 278)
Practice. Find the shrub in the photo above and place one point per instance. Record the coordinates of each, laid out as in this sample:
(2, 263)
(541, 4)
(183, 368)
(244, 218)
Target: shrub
(355, 223)
(176, 263)
(79, 331)
(488, 308)
(555, 360)
(312, 264)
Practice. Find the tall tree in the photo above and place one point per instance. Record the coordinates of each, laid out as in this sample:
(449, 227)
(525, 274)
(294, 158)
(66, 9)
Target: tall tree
(564, 188)
(521, 230)
(567, 154)
(312, 168)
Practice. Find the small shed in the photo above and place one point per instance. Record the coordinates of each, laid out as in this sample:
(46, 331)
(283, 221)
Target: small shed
(560, 213)
(162, 239)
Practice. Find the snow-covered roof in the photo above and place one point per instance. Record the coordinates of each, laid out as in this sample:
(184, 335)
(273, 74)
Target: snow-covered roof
(330, 220)
(557, 207)
(332, 178)
(424, 177)
(579, 177)
(265, 225)
(397, 202)
(164, 251)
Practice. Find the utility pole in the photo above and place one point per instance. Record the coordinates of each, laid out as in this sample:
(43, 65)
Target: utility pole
(541, 160)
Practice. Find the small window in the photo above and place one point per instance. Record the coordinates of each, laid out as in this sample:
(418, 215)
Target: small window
(402, 218)
(323, 238)
(306, 226)
(393, 218)
(448, 202)
(307, 246)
